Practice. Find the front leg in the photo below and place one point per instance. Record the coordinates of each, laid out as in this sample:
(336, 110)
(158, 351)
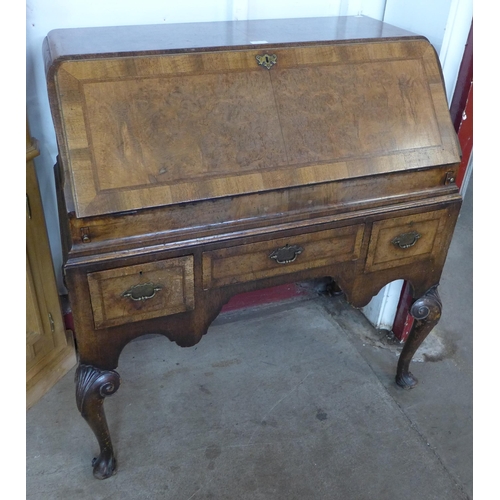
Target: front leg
(92, 386)
(426, 311)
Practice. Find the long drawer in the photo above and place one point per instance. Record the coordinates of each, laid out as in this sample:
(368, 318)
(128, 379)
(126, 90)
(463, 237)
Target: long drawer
(140, 292)
(253, 261)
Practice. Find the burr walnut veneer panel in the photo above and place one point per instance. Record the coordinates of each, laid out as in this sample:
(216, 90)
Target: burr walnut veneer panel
(140, 292)
(166, 129)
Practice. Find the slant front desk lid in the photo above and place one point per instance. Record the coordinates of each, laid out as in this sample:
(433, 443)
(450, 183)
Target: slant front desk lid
(148, 116)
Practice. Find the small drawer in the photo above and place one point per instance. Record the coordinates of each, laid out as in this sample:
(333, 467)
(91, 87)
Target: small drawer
(140, 292)
(280, 256)
(403, 240)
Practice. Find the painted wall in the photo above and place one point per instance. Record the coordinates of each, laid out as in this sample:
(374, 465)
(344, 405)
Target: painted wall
(445, 23)
(45, 15)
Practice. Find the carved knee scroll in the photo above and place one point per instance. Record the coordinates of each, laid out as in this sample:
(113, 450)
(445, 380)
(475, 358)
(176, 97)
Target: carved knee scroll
(92, 386)
(426, 311)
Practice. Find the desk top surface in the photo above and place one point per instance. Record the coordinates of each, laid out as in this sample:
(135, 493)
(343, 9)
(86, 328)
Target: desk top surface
(99, 41)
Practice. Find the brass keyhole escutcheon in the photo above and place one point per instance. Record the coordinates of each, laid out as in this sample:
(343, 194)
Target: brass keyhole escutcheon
(267, 60)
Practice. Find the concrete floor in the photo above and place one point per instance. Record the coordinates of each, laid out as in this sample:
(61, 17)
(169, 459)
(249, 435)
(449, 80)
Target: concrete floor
(289, 401)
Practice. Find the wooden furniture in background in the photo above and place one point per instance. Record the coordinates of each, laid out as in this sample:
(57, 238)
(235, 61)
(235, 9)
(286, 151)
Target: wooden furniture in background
(50, 352)
(196, 165)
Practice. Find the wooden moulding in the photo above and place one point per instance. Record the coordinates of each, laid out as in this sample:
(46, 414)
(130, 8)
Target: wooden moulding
(339, 200)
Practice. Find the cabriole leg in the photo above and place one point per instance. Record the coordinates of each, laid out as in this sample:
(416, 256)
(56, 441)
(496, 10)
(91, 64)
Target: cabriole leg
(92, 386)
(427, 311)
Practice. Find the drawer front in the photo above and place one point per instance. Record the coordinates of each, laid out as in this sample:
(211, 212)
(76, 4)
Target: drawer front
(140, 292)
(403, 240)
(280, 256)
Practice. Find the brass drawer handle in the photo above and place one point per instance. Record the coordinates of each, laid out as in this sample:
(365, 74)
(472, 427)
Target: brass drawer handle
(286, 254)
(143, 291)
(406, 240)
(267, 60)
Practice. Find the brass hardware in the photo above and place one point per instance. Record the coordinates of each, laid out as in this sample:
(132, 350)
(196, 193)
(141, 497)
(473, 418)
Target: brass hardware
(52, 324)
(267, 60)
(449, 179)
(85, 232)
(406, 240)
(143, 291)
(28, 206)
(286, 254)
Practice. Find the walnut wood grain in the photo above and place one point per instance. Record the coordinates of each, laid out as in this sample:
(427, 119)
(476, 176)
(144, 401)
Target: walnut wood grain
(426, 311)
(112, 41)
(182, 133)
(174, 222)
(92, 386)
(236, 264)
(384, 253)
(112, 297)
(189, 173)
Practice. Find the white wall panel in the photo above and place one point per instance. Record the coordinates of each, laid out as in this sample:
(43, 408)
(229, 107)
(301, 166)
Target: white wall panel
(455, 39)
(424, 17)
(369, 8)
(264, 9)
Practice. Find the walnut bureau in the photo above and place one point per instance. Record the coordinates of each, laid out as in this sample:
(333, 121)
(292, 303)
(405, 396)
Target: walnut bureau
(199, 161)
